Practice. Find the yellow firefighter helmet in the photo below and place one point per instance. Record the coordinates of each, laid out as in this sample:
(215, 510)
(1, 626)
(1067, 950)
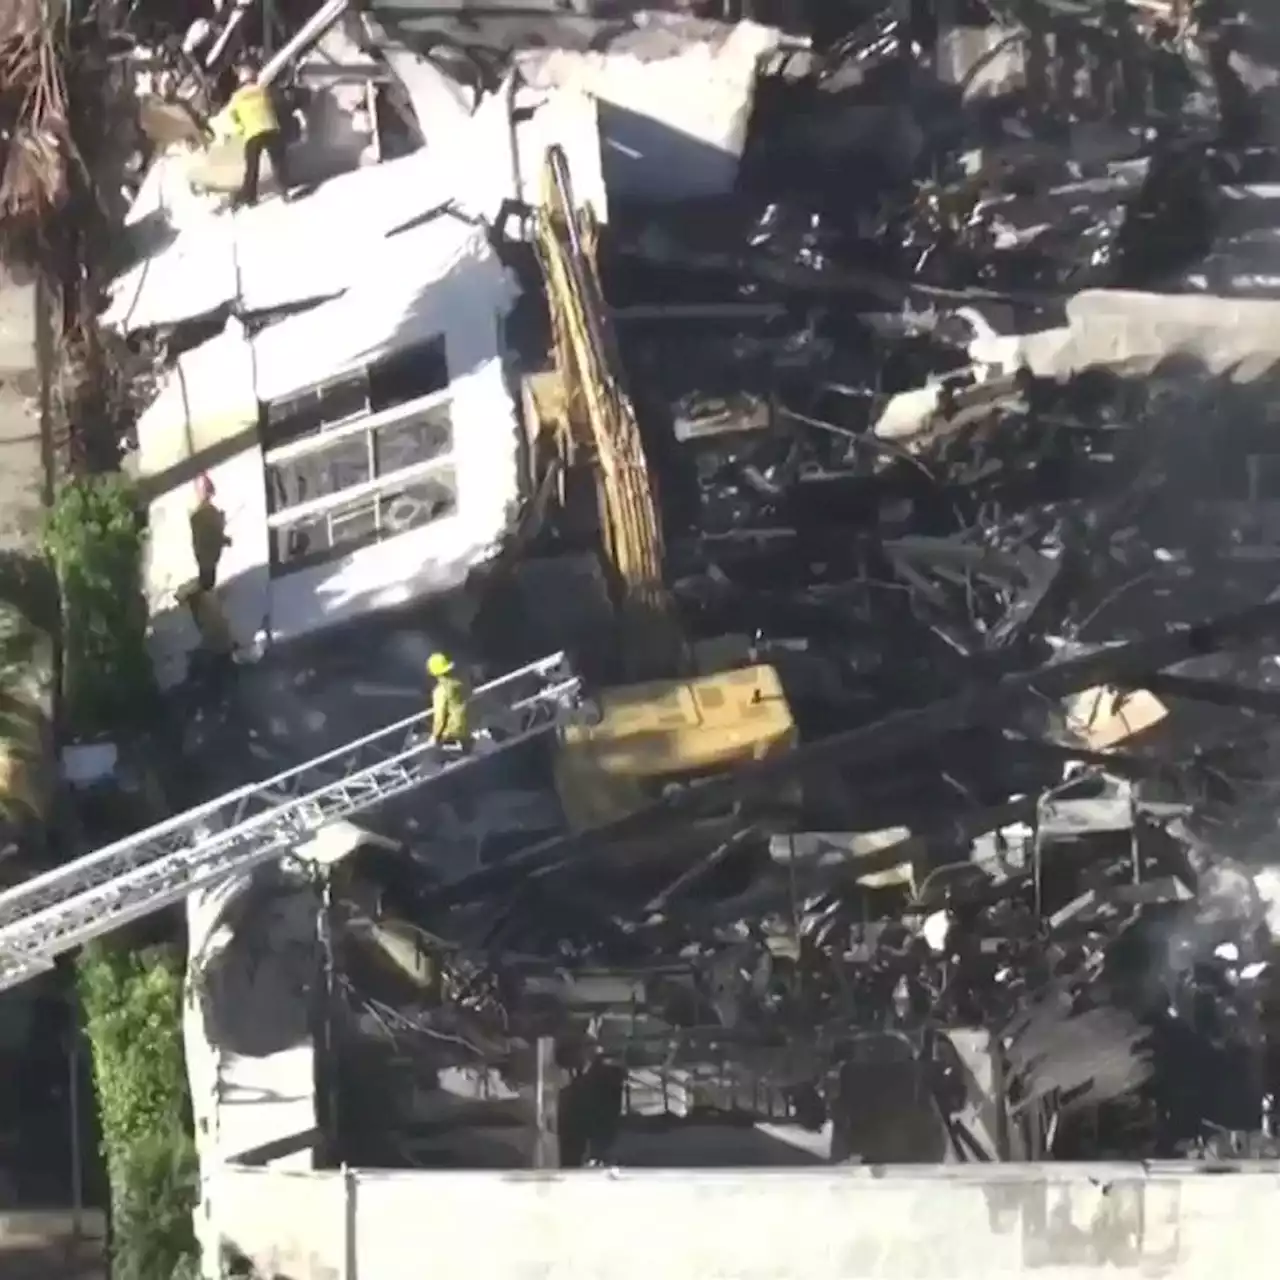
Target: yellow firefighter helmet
(439, 664)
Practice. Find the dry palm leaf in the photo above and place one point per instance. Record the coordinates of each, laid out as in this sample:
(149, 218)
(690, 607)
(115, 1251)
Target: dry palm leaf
(35, 175)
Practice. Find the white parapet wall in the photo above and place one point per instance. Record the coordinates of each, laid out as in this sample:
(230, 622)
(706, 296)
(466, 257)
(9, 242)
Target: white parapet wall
(977, 1222)
(250, 1056)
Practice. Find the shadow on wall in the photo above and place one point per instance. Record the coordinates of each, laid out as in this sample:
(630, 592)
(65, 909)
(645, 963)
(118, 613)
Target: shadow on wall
(234, 1265)
(254, 986)
(184, 473)
(148, 237)
(330, 145)
(641, 157)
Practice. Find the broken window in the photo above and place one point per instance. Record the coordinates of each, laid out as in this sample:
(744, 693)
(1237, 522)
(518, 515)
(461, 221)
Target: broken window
(408, 374)
(317, 536)
(359, 483)
(341, 464)
(385, 383)
(357, 453)
(313, 409)
(427, 434)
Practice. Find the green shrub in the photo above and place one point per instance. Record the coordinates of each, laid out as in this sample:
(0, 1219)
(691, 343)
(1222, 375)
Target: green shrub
(94, 537)
(132, 1002)
(133, 1015)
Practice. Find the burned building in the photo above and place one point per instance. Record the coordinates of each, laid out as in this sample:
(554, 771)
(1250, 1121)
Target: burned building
(870, 607)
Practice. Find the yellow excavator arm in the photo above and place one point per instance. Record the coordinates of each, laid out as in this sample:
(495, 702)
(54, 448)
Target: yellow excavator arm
(602, 420)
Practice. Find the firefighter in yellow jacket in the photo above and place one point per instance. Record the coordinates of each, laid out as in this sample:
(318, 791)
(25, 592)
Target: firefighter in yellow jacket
(253, 114)
(449, 727)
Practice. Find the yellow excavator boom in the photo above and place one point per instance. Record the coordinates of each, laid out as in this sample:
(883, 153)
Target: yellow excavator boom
(603, 419)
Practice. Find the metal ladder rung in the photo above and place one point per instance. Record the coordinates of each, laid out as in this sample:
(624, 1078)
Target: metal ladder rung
(160, 866)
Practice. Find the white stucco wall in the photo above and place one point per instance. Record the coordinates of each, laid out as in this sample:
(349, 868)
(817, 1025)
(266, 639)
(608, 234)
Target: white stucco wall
(675, 101)
(193, 260)
(976, 1222)
(440, 278)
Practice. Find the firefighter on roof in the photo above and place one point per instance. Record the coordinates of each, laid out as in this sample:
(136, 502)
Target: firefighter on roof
(253, 114)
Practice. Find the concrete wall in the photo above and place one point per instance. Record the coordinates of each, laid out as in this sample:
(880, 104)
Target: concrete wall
(250, 1059)
(22, 476)
(982, 1221)
(675, 101)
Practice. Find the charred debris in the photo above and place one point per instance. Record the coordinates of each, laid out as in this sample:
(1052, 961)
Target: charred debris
(1006, 893)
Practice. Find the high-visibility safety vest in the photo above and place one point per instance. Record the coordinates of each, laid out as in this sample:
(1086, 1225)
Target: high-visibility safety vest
(449, 710)
(252, 111)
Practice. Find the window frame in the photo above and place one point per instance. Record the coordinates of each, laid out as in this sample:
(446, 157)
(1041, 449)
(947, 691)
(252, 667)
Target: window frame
(368, 426)
(355, 496)
(284, 432)
(284, 441)
(364, 497)
(372, 380)
(371, 422)
(349, 497)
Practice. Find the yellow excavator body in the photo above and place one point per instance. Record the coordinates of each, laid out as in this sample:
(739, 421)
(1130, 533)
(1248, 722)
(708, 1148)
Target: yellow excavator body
(664, 733)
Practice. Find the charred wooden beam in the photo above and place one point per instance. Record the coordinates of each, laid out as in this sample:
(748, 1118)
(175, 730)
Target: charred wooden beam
(984, 701)
(1217, 693)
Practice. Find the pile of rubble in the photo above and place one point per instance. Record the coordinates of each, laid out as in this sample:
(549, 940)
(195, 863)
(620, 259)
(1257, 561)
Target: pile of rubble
(991, 514)
(947, 528)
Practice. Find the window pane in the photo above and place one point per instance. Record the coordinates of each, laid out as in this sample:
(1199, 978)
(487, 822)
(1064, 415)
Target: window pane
(416, 371)
(308, 411)
(301, 544)
(417, 439)
(322, 538)
(431, 498)
(336, 467)
(356, 525)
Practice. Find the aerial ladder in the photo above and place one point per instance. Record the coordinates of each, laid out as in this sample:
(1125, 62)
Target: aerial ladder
(159, 867)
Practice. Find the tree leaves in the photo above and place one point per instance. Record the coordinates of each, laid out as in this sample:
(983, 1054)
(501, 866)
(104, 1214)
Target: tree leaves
(94, 537)
(133, 1013)
(132, 1001)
